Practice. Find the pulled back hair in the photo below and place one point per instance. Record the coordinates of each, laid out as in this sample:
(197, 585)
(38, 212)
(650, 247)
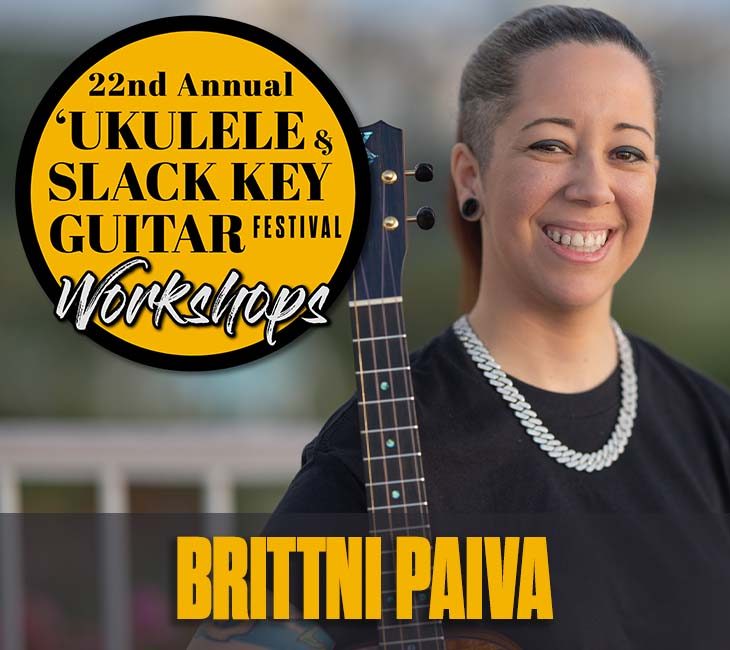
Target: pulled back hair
(488, 93)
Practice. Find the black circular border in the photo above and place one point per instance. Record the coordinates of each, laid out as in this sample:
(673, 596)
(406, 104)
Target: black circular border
(180, 24)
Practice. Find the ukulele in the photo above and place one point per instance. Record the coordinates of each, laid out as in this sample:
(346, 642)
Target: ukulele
(397, 500)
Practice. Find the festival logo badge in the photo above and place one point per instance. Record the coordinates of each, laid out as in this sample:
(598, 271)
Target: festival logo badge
(192, 193)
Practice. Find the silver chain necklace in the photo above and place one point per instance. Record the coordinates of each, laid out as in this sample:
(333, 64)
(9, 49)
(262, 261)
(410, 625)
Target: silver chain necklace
(580, 461)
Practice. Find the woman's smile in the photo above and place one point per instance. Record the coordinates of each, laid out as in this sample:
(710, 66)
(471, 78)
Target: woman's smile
(582, 244)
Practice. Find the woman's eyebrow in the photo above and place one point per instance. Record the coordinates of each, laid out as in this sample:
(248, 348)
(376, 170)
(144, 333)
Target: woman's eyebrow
(566, 121)
(625, 125)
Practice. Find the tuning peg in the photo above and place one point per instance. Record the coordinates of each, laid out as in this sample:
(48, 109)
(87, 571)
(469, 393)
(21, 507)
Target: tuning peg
(423, 172)
(425, 218)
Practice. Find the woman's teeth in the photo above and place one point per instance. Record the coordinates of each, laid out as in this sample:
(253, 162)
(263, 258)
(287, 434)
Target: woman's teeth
(586, 242)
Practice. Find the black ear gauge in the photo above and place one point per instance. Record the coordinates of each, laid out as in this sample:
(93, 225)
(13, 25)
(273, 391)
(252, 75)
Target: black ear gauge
(469, 209)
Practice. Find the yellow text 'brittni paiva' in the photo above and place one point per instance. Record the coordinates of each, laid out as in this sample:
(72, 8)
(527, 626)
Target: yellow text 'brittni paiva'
(226, 577)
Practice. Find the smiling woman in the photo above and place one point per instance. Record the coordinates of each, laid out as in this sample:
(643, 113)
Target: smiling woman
(536, 401)
(566, 189)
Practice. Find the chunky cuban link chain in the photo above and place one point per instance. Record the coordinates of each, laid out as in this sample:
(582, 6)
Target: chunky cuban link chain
(580, 461)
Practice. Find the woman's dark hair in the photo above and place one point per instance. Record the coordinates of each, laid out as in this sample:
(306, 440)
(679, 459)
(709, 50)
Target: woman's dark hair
(489, 87)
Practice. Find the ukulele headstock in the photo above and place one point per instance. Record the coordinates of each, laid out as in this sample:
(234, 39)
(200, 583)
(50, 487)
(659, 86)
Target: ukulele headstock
(378, 273)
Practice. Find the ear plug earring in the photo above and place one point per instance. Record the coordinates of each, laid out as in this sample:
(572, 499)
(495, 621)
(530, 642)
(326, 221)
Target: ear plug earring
(469, 209)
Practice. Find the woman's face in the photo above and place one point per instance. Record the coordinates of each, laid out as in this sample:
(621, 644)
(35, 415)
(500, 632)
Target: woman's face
(568, 192)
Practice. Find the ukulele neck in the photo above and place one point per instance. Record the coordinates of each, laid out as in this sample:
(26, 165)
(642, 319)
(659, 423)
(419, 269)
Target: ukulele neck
(394, 478)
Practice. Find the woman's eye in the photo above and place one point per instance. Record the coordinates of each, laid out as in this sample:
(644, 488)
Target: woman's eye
(548, 146)
(629, 154)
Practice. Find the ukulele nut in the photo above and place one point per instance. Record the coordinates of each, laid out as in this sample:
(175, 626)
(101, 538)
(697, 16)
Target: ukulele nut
(390, 223)
(388, 176)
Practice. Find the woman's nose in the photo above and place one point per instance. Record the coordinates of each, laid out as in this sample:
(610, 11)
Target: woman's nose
(589, 183)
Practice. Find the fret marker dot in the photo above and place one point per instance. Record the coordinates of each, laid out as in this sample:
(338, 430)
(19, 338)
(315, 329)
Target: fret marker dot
(390, 443)
(384, 385)
(395, 494)
(422, 597)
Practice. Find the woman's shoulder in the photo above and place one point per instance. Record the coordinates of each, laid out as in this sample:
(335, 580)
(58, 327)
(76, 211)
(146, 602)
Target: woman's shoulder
(664, 373)
(443, 353)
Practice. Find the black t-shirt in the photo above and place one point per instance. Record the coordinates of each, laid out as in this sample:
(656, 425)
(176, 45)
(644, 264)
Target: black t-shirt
(640, 551)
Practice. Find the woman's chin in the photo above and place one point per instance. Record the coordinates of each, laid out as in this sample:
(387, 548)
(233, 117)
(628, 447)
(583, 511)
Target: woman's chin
(575, 296)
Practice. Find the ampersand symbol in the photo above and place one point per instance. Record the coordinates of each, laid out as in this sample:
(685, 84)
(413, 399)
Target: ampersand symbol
(324, 142)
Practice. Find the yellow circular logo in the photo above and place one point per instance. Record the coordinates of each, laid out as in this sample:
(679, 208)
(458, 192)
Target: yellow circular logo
(192, 193)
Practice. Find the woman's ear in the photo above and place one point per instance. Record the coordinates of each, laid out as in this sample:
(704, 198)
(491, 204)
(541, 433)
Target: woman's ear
(465, 173)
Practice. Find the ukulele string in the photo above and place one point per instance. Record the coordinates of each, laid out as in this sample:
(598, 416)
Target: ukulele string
(379, 420)
(365, 294)
(361, 386)
(422, 523)
(384, 242)
(413, 417)
(402, 363)
(419, 613)
(373, 333)
(367, 428)
(390, 364)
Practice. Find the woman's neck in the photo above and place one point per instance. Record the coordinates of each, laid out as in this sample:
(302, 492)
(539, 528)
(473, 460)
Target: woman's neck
(564, 351)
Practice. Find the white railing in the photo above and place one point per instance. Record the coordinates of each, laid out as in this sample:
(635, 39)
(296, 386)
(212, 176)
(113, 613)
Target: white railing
(217, 457)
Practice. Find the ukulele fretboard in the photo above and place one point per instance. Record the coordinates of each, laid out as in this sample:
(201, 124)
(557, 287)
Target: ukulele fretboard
(394, 480)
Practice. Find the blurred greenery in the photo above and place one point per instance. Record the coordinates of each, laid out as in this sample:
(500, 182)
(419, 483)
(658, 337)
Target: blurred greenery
(676, 294)
(259, 498)
(48, 496)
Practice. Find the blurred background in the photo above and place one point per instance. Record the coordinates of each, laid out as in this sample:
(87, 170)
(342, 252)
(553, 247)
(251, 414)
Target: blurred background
(82, 430)
(399, 62)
